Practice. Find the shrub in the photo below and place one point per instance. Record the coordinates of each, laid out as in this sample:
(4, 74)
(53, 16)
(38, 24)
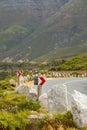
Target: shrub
(66, 119)
(16, 102)
(57, 121)
(52, 69)
(4, 84)
(9, 121)
(29, 104)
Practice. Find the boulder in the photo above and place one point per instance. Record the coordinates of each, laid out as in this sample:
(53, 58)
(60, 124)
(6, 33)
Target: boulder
(57, 99)
(21, 79)
(12, 82)
(32, 95)
(79, 108)
(43, 100)
(22, 90)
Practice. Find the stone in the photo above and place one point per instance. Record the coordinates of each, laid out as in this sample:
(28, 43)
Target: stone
(23, 89)
(79, 108)
(12, 82)
(36, 117)
(57, 99)
(43, 100)
(32, 95)
(21, 79)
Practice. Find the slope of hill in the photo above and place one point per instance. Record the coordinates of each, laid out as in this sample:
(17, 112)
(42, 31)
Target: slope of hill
(64, 53)
(61, 31)
(27, 12)
(66, 29)
(76, 63)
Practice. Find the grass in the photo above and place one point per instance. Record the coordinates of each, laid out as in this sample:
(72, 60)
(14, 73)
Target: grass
(16, 29)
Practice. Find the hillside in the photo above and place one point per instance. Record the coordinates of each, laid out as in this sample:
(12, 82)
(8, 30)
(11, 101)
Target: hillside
(76, 63)
(62, 32)
(27, 12)
(66, 30)
(64, 53)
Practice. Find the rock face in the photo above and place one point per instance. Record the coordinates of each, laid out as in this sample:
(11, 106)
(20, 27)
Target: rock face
(57, 99)
(34, 4)
(79, 108)
(43, 100)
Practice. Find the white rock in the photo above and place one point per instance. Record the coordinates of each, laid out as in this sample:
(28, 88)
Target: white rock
(21, 79)
(79, 108)
(36, 117)
(33, 91)
(43, 100)
(57, 99)
(22, 89)
(32, 95)
(12, 82)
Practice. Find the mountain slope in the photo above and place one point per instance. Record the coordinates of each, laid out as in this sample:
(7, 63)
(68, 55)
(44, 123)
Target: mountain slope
(67, 28)
(64, 29)
(27, 12)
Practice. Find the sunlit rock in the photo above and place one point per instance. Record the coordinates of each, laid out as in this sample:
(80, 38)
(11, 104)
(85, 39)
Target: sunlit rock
(32, 95)
(43, 100)
(22, 90)
(57, 99)
(12, 82)
(79, 108)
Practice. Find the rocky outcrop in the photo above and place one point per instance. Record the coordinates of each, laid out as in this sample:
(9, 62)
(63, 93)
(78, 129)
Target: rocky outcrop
(57, 99)
(79, 108)
(46, 5)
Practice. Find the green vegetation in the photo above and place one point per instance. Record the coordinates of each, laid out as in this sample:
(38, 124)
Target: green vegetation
(9, 70)
(14, 110)
(16, 102)
(25, 35)
(16, 29)
(9, 121)
(76, 63)
(63, 34)
(61, 121)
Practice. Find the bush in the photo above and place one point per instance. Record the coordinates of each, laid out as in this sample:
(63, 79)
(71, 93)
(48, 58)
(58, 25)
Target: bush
(57, 120)
(52, 69)
(29, 104)
(66, 119)
(16, 102)
(4, 84)
(9, 121)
